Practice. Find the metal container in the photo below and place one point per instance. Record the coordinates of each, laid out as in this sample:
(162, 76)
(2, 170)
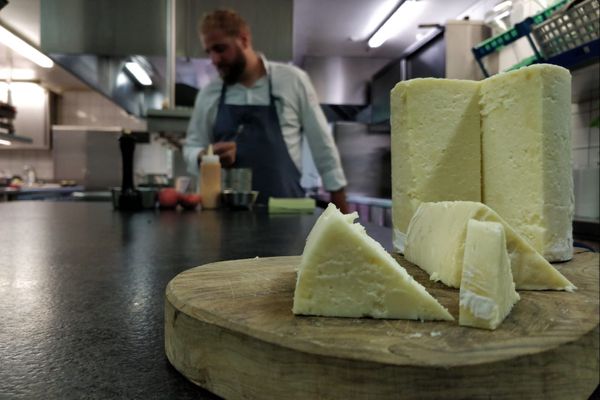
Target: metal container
(239, 200)
(237, 179)
(149, 197)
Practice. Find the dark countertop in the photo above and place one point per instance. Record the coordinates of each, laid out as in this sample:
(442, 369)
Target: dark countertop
(82, 291)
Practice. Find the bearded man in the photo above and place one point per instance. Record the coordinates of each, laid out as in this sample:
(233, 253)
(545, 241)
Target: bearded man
(257, 114)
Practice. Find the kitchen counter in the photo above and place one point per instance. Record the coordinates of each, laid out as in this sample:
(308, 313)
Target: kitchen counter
(82, 291)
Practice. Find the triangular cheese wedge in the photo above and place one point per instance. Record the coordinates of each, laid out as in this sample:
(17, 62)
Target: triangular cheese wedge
(487, 290)
(346, 273)
(436, 241)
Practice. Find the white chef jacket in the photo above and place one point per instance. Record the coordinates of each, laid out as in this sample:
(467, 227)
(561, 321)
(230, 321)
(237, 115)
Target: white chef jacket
(299, 113)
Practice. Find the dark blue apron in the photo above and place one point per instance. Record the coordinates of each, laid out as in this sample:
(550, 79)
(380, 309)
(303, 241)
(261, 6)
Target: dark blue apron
(260, 146)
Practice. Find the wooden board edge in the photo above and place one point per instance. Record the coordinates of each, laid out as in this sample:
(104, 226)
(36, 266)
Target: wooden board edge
(237, 366)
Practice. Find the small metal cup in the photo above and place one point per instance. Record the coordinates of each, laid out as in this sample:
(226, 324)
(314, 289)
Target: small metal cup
(237, 179)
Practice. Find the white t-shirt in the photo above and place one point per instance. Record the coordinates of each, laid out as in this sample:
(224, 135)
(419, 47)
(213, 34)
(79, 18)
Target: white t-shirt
(299, 113)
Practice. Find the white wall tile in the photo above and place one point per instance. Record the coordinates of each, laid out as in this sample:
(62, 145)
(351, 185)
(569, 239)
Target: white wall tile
(580, 138)
(578, 108)
(594, 136)
(580, 158)
(594, 156)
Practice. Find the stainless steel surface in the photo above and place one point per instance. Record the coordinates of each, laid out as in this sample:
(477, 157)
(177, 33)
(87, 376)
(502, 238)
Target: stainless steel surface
(174, 120)
(237, 179)
(342, 80)
(239, 200)
(171, 50)
(149, 197)
(106, 74)
(89, 157)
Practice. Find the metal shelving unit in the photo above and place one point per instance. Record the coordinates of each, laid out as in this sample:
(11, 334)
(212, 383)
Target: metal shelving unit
(564, 34)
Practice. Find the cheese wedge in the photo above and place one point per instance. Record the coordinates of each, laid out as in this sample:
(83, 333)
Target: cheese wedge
(436, 139)
(487, 290)
(526, 155)
(346, 273)
(436, 243)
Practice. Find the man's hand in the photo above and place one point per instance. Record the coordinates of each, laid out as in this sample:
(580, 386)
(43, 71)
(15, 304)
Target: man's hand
(339, 199)
(226, 152)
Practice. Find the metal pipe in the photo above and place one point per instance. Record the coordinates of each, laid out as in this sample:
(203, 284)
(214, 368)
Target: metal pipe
(171, 50)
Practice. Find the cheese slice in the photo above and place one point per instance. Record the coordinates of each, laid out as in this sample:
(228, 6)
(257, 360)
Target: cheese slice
(436, 243)
(436, 141)
(346, 273)
(526, 154)
(487, 290)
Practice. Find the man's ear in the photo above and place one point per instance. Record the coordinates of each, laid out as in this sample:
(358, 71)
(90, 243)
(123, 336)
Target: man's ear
(245, 40)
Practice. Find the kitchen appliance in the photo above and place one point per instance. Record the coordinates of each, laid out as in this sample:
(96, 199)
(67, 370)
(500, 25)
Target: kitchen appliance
(88, 155)
(239, 200)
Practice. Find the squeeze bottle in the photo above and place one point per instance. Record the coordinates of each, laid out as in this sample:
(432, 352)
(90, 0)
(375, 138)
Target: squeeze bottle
(210, 179)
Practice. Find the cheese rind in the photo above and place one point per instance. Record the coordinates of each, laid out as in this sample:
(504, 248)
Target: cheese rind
(487, 290)
(436, 133)
(526, 155)
(436, 242)
(345, 273)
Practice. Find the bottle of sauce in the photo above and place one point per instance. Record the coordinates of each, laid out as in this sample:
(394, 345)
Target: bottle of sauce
(210, 179)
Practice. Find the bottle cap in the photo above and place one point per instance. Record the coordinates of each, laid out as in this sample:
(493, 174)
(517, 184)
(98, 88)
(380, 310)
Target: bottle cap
(210, 157)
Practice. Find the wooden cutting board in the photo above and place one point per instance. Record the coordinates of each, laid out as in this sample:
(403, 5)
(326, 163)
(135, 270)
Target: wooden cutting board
(229, 328)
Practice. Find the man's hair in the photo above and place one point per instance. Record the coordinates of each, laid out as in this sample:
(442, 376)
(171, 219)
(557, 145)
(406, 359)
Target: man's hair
(226, 20)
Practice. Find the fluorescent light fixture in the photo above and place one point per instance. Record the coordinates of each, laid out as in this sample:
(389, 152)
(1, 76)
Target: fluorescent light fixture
(138, 73)
(404, 15)
(5, 142)
(421, 35)
(377, 17)
(122, 79)
(20, 46)
(502, 5)
(503, 15)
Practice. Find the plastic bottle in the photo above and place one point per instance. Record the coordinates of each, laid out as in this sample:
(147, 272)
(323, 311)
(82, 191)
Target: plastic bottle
(210, 179)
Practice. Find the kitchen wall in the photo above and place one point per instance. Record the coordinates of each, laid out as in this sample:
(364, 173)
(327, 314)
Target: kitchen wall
(88, 108)
(12, 162)
(585, 137)
(586, 163)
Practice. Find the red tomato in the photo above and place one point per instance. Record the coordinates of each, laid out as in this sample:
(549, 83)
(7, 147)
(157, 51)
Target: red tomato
(167, 198)
(189, 201)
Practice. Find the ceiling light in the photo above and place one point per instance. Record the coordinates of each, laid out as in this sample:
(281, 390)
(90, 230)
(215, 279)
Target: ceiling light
(140, 75)
(404, 15)
(380, 14)
(502, 6)
(5, 142)
(20, 46)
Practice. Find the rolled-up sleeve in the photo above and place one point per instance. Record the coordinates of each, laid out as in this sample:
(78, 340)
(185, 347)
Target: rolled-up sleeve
(199, 129)
(319, 137)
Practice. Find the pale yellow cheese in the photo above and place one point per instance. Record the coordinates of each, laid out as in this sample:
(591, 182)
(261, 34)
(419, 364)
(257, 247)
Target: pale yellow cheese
(526, 155)
(487, 290)
(436, 242)
(435, 146)
(346, 273)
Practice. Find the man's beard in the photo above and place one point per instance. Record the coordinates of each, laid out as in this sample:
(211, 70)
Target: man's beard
(234, 71)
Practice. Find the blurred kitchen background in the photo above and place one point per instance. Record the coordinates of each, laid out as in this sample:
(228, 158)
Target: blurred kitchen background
(72, 107)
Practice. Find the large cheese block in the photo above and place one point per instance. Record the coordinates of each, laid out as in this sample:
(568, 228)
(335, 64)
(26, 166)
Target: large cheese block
(435, 146)
(526, 154)
(487, 290)
(436, 243)
(346, 273)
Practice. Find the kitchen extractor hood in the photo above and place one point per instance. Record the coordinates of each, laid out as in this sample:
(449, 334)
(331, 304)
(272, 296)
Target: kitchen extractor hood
(96, 39)
(108, 75)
